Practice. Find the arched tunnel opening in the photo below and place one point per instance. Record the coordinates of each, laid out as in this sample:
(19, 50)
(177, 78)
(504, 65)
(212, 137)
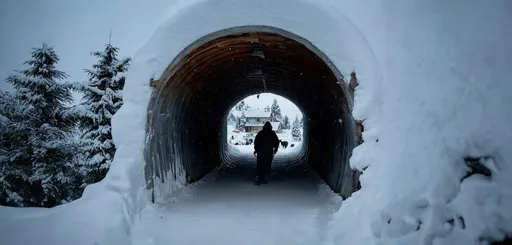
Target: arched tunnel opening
(248, 116)
(186, 132)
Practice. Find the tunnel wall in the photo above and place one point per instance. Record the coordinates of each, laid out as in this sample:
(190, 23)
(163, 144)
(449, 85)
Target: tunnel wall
(199, 89)
(345, 46)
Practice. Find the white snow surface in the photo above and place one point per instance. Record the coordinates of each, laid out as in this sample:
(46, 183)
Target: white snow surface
(434, 87)
(226, 208)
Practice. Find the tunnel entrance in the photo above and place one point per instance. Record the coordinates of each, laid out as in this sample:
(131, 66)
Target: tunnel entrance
(191, 100)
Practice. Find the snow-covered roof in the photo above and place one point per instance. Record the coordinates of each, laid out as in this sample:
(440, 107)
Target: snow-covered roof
(257, 113)
(275, 125)
(254, 124)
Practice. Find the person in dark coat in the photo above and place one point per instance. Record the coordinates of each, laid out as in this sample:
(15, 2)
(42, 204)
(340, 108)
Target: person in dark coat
(266, 145)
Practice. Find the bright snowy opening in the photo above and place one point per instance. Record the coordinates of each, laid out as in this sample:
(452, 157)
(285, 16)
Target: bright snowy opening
(248, 116)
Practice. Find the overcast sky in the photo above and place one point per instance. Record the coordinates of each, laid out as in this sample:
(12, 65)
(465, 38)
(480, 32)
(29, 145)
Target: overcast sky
(76, 28)
(266, 99)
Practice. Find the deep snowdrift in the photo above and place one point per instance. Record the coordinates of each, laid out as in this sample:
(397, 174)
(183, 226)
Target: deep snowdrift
(434, 84)
(447, 79)
(101, 221)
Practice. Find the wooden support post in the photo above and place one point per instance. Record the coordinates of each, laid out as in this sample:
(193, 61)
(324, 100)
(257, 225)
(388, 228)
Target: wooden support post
(352, 87)
(359, 131)
(359, 126)
(359, 123)
(154, 83)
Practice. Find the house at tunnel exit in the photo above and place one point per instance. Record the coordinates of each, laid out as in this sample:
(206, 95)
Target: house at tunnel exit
(256, 118)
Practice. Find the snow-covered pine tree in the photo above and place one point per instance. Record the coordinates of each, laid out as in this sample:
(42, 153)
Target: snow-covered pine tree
(36, 162)
(296, 129)
(102, 98)
(240, 110)
(286, 122)
(237, 123)
(7, 170)
(240, 106)
(266, 109)
(242, 121)
(275, 112)
(231, 119)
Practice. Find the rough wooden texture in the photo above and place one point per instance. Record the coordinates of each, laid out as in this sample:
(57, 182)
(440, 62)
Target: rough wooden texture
(193, 97)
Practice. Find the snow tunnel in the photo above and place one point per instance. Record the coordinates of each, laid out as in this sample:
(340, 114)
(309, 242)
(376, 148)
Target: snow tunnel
(192, 98)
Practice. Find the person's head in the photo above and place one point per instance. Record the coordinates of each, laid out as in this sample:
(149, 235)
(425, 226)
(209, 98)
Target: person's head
(267, 125)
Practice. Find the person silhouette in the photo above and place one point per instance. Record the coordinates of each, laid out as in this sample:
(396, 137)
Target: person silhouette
(266, 144)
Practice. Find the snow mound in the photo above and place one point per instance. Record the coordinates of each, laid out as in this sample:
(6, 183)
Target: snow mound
(446, 97)
(83, 222)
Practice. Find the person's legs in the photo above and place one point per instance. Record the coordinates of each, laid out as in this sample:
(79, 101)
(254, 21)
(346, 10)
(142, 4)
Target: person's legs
(260, 167)
(267, 165)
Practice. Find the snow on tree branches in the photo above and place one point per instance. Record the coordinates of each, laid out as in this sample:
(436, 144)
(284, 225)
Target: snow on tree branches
(102, 99)
(275, 112)
(36, 160)
(296, 129)
(286, 122)
(238, 113)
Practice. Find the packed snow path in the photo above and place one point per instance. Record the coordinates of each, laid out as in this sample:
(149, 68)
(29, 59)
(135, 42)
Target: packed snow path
(227, 208)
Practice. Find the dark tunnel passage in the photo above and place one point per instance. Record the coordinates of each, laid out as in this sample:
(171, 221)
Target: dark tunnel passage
(191, 100)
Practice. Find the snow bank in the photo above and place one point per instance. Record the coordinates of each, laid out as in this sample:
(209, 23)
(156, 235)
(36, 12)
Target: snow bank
(447, 79)
(84, 222)
(12, 213)
(249, 149)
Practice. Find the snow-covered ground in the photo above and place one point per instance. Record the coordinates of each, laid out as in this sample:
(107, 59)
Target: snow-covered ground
(294, 208)
(249, 149)
(242, 138)
(102, 221)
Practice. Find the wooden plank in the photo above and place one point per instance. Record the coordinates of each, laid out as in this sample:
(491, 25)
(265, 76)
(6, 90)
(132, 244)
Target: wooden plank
(154, 83)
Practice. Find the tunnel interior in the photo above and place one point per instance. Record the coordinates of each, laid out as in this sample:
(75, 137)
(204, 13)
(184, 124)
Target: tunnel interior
(186, 121)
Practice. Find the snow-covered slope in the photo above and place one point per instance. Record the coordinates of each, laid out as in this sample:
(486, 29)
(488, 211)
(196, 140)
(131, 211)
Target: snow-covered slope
(434, 88)
(446, 76)
(103, 220)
